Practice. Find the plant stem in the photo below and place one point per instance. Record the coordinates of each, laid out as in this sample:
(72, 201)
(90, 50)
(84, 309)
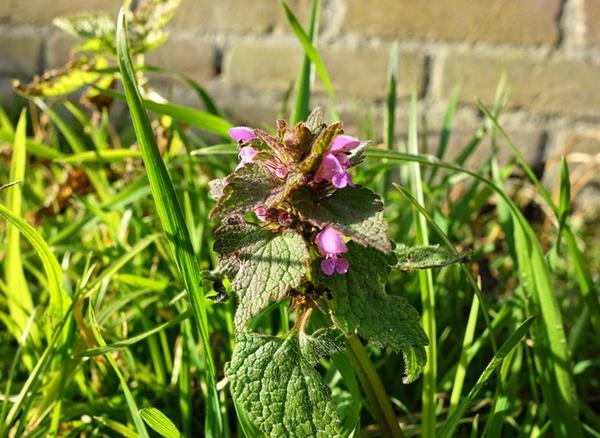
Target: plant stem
(374, 390)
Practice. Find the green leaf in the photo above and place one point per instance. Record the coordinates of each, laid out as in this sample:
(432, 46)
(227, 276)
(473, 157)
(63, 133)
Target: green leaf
(251, 187)
(354, 211)
(279, 388)
(63, 81)
(159, 422)
(413, 258)
(262, 265)
(360, 304)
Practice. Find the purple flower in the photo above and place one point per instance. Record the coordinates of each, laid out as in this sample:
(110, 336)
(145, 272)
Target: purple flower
(241, 133)
(330, 244)
(261, 213)
(246, 155)
(335, 162)
(344, 143)
(284, 219)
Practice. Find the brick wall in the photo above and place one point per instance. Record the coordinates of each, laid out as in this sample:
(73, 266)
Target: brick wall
(244, 53)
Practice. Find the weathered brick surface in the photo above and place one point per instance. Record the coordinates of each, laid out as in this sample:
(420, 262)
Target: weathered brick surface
(542, 86)
(512, 21)
(20, 53)
(185, 55)
(44, 11)
(262, 65)
(591, 21)
(355, 73)
(58, 50)
(363, 72)
(237, 16)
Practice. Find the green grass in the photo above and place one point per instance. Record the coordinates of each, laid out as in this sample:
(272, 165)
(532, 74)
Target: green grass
(108, 328)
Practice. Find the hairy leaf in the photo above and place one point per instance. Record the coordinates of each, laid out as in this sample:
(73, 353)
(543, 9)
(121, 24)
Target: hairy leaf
(261, 264)
(354, 211)
(279, 388)
(413, 258)
(360, 304)
(248, 188)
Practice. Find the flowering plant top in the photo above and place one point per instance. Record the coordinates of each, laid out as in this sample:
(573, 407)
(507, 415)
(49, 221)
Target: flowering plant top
(295, 225)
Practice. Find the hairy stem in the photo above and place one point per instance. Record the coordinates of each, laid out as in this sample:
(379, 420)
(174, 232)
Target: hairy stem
(374, 390)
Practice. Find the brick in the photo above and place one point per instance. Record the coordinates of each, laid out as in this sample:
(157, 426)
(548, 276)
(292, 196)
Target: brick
(58, 50)
(271, 66)
(185, 55)
(542, 86)
(237, 16)
(591, 19)
(509, 21)
(363, 72)
(20, 53)
(42, 13)
(358, 72)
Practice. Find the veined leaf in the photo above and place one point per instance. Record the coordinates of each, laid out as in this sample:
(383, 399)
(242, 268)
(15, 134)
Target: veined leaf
(360, 304)
(413, 258)
(262, 265)
(248, 188)
(354, 211)
(278, 387)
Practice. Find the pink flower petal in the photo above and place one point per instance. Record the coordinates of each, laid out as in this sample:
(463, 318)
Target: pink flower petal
(284, 219)
(342, 265)
(341, 180)
(246, 155)
(329, 242)
(329, 167)
(328, 266)
(344, 143)
(261, 212)
(281, 172)
(241, 133)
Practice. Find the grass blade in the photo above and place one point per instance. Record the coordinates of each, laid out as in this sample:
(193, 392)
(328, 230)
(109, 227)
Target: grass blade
(135, 339)
(311, 52)
(172, 219)
(446, 129)
(59, 300)
(11, 372)
(552, 355)
(131, 404)
(389, 121)
(306, 76)
(586, 285)
(20, 303)
(159, 422)
(450, 424)
(425, 284)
